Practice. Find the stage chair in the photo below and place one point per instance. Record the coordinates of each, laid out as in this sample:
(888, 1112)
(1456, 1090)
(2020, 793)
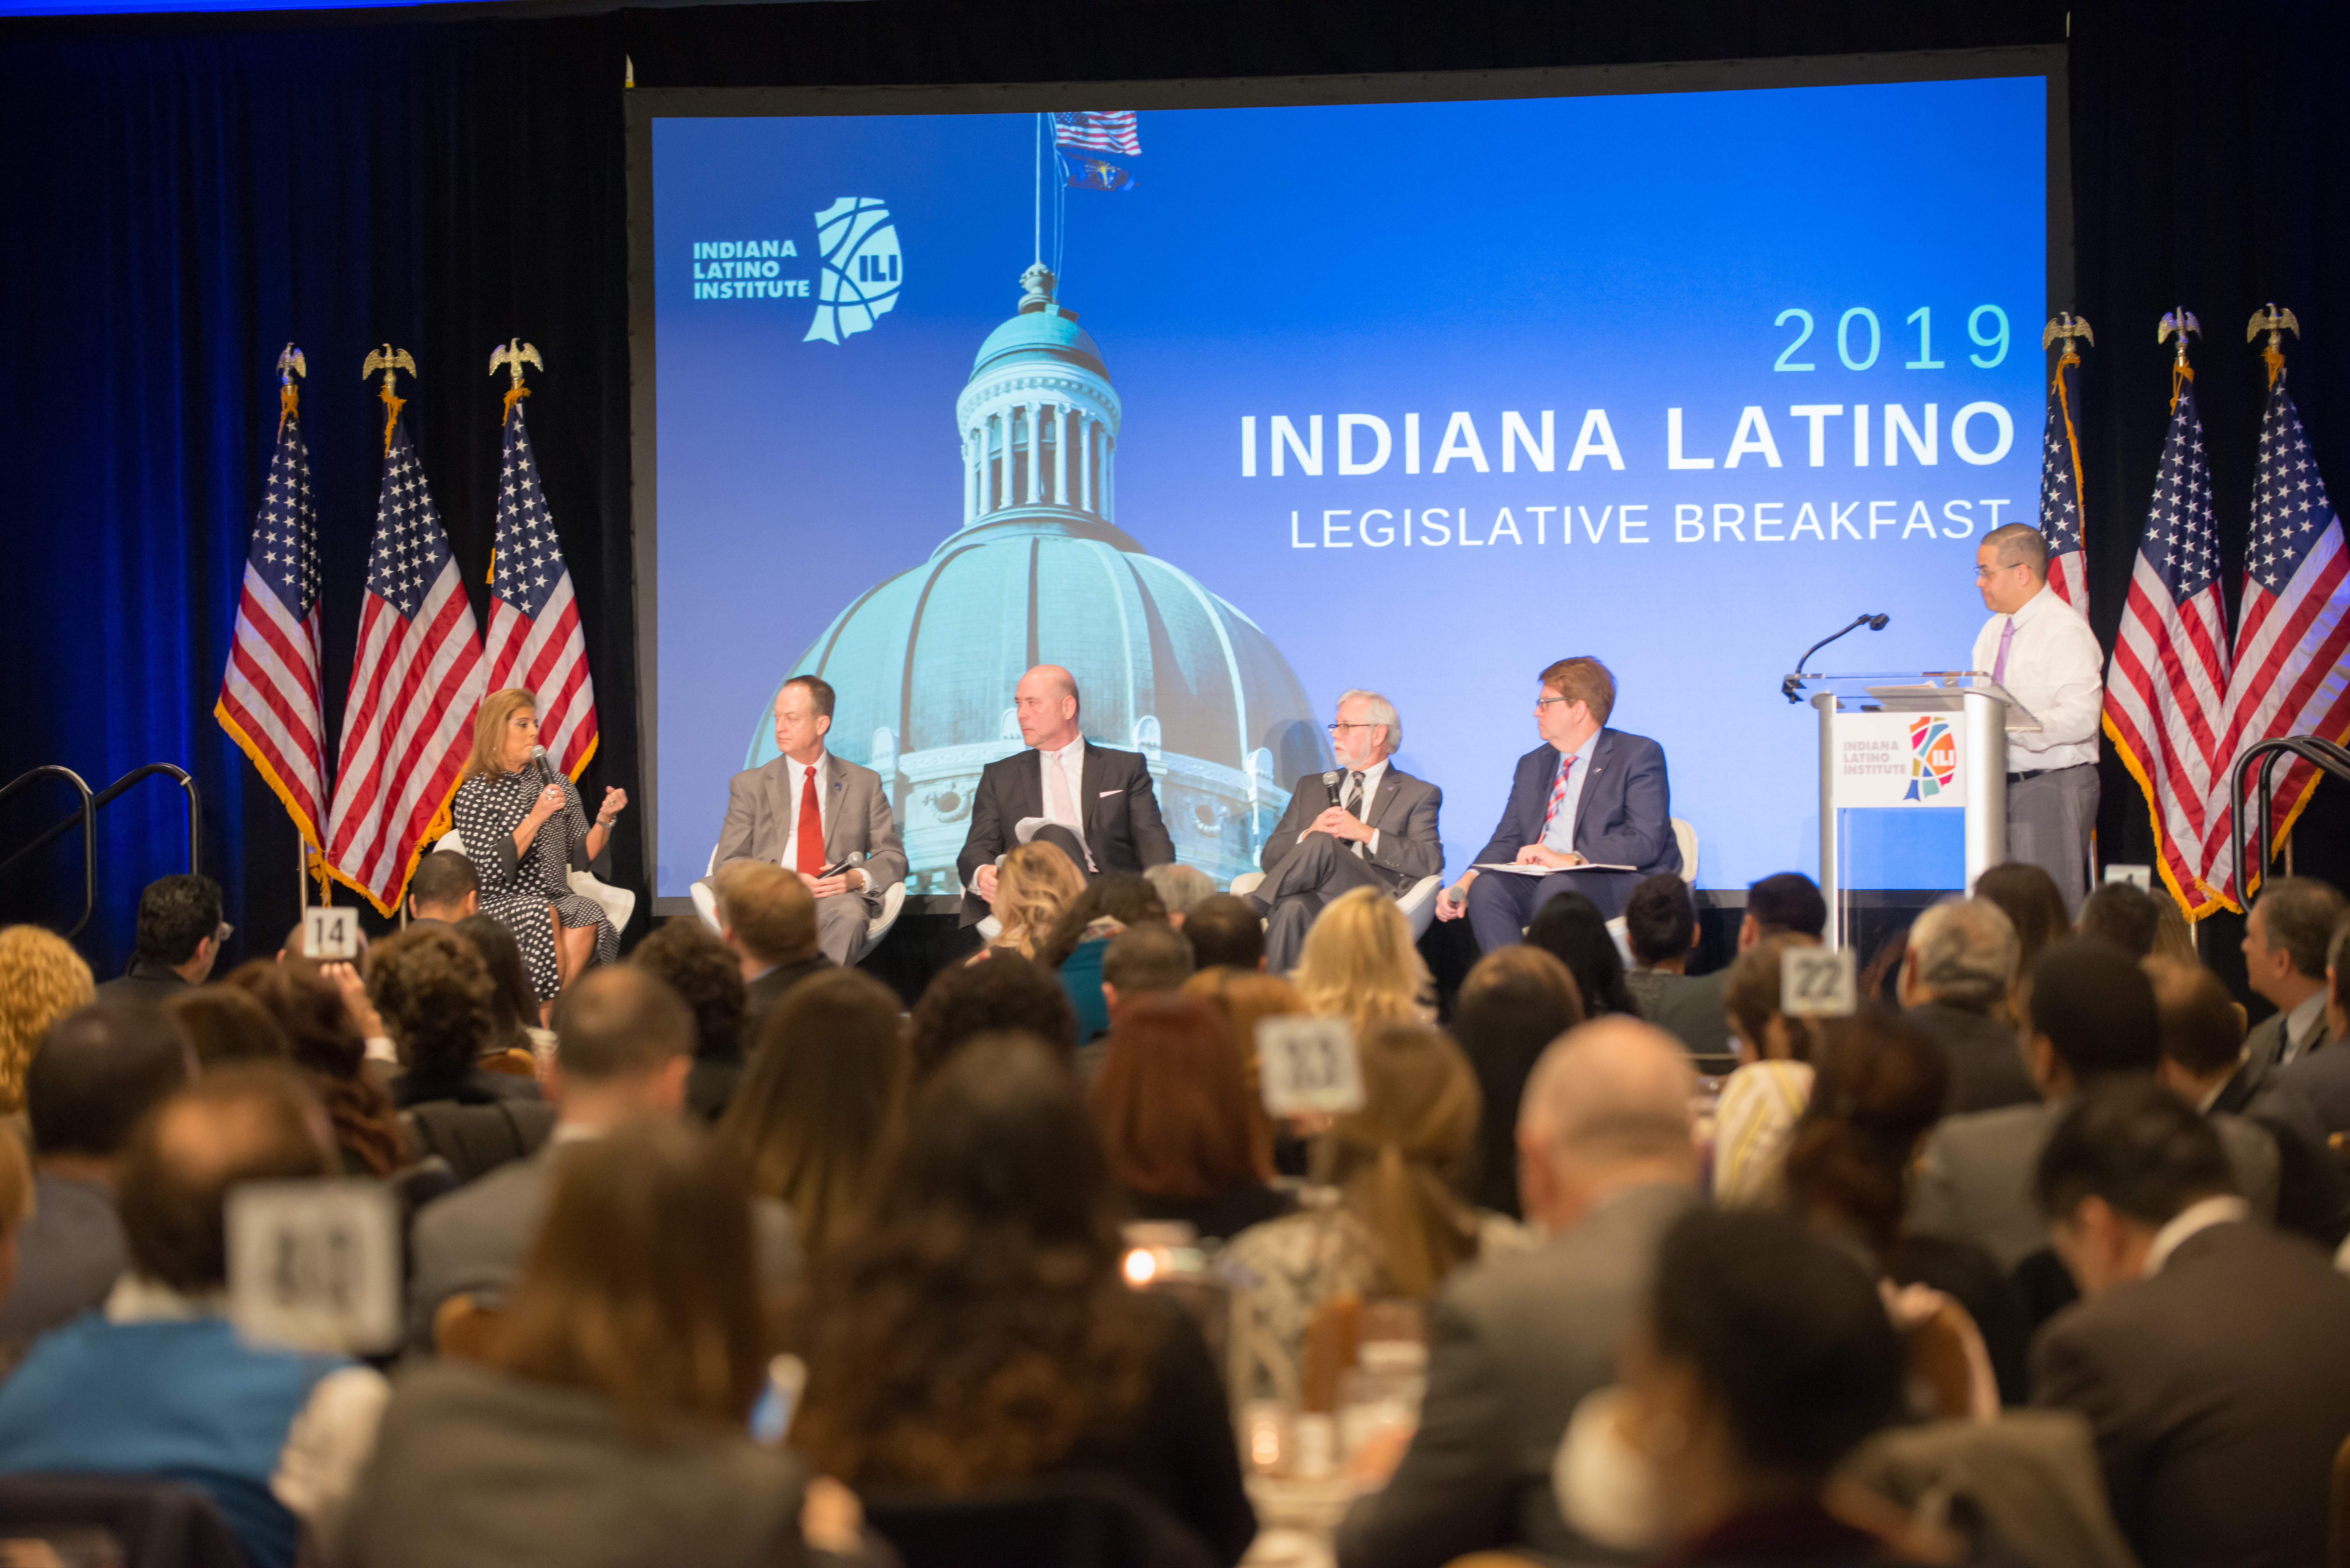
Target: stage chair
(705, 904)
(1417, 902)
(619, 904)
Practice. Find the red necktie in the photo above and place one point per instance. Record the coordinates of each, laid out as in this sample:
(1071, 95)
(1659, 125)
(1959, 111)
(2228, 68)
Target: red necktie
(810, 857)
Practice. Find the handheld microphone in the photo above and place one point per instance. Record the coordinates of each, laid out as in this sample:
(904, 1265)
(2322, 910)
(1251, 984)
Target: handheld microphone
(1330, 783)
(1458, 893)
(1787, 684)
(855, 858)
(538, 761)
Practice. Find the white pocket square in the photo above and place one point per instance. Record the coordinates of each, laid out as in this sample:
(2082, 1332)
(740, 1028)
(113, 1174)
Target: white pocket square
(1108, 793)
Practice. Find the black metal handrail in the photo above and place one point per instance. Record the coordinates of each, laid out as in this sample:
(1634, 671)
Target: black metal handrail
(2314, 749)
(113, 792)
(87, 818)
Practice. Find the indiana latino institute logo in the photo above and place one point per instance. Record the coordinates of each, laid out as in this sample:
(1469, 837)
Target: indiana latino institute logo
(862, 268)
(1933, 756)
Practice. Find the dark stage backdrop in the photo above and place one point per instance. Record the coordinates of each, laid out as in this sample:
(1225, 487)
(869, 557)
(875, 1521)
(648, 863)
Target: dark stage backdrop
(183, 196)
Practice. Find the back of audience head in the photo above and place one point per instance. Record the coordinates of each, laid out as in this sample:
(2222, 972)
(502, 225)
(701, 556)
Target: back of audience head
(1512, 1004)
(2285, 938)
(444, 887)
(1571, 929)
(246, 1121)
(2027, 895)
(514, 1006)
(1002, 992)
(2174, 938)
(705, 973)
(1143, 959)
(1399, 1159)
(2092, 1016)
(1962, 954)
(1360, 964)
(42, 979)
(228, 1023)
(1172, 1102)
(1607, 1106)
(1033, 887)
(1660, 922)
(1518, 978)
(1880, 1088)
(1246, 997)
(1128, 900)
(179, 926)
(98, 1072)
(1182, 889)
(623, 1038)
(818, 1111)
(2337, 979)
(642, 1285)
(323, 1043)
(15, 1204)
(435, 995)
(2122, 1164)
(2200, 1029)
(1749, 996)
(2122, 913)
(764, 913)
(1785, 902)
(1225, 932)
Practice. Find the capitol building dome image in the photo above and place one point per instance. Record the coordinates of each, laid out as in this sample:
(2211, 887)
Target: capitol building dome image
(1039, 572)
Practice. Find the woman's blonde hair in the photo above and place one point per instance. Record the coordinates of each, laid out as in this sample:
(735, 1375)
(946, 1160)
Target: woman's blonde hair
(41, 981)
(1399, 1158)
(1360, 964)
(488, 759)
(1246, 998)
(1036, 885)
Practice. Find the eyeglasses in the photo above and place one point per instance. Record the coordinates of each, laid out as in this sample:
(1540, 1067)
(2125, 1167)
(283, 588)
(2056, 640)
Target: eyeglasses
(1542, 702)
(1334, 726)
(1982, 572)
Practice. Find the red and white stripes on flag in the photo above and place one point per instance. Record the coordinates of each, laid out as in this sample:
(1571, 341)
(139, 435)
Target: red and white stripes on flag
(2061, 519)
(270, 699)
(1097, 131)
(2165, 689)
(2293, 631)
(534, 638)
(408, 724)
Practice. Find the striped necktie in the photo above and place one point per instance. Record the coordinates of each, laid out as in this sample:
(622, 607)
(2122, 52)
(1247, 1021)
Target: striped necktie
(1557, 795)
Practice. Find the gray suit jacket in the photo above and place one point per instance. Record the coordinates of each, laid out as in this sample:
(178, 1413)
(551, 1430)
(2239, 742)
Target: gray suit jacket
(69, 1255)
(473, 1241)
(760, 801)
(1402, 810)
(1514, 1344)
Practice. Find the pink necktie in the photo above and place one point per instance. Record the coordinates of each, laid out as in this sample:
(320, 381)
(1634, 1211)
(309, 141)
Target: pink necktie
(1999, 665)
(1057, 805)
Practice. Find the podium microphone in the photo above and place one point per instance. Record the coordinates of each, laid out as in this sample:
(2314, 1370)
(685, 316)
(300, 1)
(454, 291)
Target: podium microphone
(1873, 622)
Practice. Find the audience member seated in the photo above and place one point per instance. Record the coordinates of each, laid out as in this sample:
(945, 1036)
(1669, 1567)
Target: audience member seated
(1660, 927)
(2284, 957)
(1786, 903)
(701, 970)
(625, 1043)
(768, 917)
(434, 995)
(1517, 1341)
(514, 1010)
(980, 1330)
(1143, 961)
(2092, 1017)
(2202, 1045)
(1182, 889)
(1762, 1099)
(1571, 929)
(1955, 979)
(1007, 992)
(42, 979)
(2174, 938)
(611, 1427)
(15, 1209)
(1514, 1003)
(445, 888)
(1246, 997)
(1224, 932)
(819, 1111)
(2028, 897)
(1081, 936)
(1360, 964)
(160, 1385)
(1881, 1087)
(101, 1070)
(1762, 1359)
(2122, 913)
(322, 1042)
(179, 935)
(1398, 1227)
(2210, 1355)
(1034, 887)
(225, 1024)
(1172, 1102)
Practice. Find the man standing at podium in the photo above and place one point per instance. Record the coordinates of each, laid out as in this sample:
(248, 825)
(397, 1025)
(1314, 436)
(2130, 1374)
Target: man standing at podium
(2039, 650)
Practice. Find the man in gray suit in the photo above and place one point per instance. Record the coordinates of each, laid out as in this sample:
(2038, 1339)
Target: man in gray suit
(1369, 825)
(1955, 976)
(2284, 962)
(1604, 1166)
(624, 1043)
(767, 807)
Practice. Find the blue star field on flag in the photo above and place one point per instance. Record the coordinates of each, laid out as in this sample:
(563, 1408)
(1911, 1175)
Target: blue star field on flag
(410, 546)
(2290, 510)
(528, 562)
(2182, 535)
(285, 553)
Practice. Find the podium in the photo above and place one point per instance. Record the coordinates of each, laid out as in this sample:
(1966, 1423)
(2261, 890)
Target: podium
(1933, 741)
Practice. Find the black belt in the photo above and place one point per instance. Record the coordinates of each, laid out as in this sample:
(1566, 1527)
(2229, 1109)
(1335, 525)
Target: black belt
(2035, 773)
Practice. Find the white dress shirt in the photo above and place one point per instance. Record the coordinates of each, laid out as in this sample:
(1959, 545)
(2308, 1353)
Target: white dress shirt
(1371, 777)
(1071, 760)
(1561, 835)
(794, 775)
(2225, 1209)
(2056, 669)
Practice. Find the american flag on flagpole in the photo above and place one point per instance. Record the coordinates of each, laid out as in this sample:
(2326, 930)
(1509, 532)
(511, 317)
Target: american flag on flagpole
(2166, 688)
(1097, 129)
(2292, 626)
(270, 701)
(408, 722)
(2060, 471)
(535, 638)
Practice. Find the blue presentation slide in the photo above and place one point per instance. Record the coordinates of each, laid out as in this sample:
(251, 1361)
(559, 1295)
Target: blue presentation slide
(1232, 410)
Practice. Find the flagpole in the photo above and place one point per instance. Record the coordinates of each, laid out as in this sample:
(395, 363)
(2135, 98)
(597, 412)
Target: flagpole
(1038, 190)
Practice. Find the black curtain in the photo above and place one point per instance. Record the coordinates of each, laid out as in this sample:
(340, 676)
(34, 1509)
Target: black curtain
(184, 195)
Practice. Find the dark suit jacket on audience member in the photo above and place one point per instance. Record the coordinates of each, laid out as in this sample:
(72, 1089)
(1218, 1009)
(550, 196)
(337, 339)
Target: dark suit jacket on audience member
(1403, 810)
(144, 981)
(1687, 1007)
(1514, 1344)
(1123, 830)
(1985, 1058)
(2321, 1076)
(2218, 1390)
(760, 995)
(477, 1087)
(69, 1255)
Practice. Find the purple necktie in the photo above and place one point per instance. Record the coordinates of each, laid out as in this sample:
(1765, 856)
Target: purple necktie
(1999, 665)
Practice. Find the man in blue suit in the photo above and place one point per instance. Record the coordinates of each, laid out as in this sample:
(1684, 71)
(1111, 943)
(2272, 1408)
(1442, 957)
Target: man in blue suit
(1587, 795)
